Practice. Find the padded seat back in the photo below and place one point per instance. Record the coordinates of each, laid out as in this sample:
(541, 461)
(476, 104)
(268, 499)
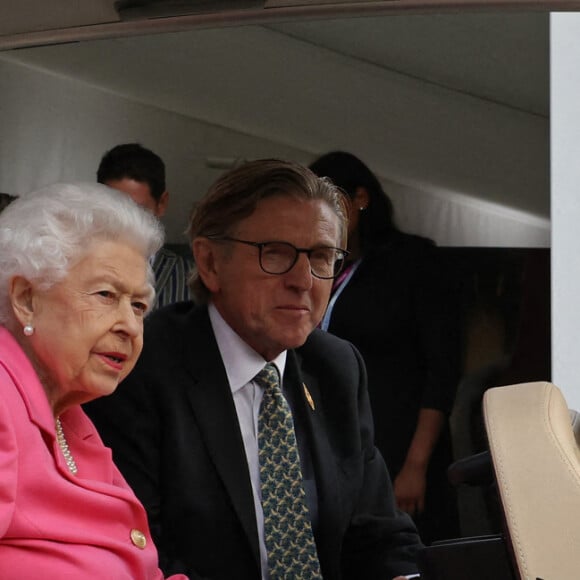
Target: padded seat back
(536, 460)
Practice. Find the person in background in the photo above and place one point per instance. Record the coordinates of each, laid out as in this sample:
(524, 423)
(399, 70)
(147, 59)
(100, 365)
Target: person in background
(5, 200)
(140, 173)
(392, 304)
(75, 285)
(244, 429)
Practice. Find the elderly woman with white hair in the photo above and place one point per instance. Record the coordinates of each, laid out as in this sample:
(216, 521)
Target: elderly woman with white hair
(75, 285)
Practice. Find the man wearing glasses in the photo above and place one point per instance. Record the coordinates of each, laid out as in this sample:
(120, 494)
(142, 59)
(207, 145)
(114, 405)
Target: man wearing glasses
(244, 430)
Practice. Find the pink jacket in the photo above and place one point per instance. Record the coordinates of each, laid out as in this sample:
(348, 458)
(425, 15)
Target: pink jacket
(54, 524)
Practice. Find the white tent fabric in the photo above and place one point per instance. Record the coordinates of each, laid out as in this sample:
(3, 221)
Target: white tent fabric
(453, 219)
(56, 129)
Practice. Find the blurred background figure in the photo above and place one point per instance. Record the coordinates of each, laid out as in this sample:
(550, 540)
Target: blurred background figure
(140, 173)
(5, 199)
(75, 285)
(391, 303)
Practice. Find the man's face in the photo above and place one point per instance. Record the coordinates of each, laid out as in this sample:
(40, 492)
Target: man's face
(140, 193)
(272, 313)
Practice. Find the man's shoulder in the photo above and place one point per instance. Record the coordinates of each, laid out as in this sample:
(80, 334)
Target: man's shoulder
(324, 346)
(322, 339)
(174, 318)
(335, 366)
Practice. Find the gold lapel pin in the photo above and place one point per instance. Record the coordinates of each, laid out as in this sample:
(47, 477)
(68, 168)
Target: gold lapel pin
(308, 396)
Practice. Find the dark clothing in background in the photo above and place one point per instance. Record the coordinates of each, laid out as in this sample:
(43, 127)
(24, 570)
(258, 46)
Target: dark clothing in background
(398, 311)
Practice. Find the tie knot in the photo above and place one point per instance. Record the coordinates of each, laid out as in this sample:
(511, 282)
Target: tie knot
(268, 377)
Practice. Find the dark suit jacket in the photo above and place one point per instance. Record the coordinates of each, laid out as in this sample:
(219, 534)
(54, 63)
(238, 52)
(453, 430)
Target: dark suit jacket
(175, 435)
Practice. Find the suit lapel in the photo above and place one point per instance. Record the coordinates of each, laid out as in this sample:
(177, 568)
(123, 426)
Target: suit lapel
(308, 404)
(213, 406)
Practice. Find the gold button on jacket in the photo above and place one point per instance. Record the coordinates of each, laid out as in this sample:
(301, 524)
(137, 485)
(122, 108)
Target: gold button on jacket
(138, 538)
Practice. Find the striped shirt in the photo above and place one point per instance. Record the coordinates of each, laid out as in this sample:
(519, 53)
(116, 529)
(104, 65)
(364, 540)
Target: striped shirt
(171, 274)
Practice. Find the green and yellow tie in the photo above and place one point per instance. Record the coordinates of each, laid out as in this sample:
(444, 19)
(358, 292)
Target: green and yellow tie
(287, 528)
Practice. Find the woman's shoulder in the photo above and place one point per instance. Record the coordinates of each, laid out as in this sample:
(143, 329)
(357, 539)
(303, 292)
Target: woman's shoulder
(411, 242)
(419, 240)
(401, 246)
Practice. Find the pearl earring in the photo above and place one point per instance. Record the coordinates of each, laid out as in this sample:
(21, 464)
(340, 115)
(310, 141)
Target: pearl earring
(28, 330)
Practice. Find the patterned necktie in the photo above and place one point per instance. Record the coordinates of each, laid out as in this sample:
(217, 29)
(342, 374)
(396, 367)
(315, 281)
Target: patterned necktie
(287, 528)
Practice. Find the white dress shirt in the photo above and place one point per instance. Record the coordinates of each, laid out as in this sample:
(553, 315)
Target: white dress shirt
(242, 364)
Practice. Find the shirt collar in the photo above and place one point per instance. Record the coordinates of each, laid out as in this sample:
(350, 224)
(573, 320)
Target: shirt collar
(242, 363)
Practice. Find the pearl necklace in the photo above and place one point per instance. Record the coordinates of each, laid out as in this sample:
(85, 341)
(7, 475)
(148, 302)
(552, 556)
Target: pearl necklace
(70, 462)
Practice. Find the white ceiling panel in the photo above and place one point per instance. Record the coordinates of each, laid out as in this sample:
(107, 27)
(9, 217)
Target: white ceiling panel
(388, 87)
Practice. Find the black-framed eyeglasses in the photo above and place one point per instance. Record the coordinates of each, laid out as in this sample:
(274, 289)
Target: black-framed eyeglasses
(280, 257)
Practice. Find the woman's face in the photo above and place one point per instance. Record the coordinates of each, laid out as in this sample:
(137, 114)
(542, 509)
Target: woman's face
(88, 328)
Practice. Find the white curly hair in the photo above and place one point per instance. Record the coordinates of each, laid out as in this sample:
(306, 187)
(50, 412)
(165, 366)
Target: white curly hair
(46, 232)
